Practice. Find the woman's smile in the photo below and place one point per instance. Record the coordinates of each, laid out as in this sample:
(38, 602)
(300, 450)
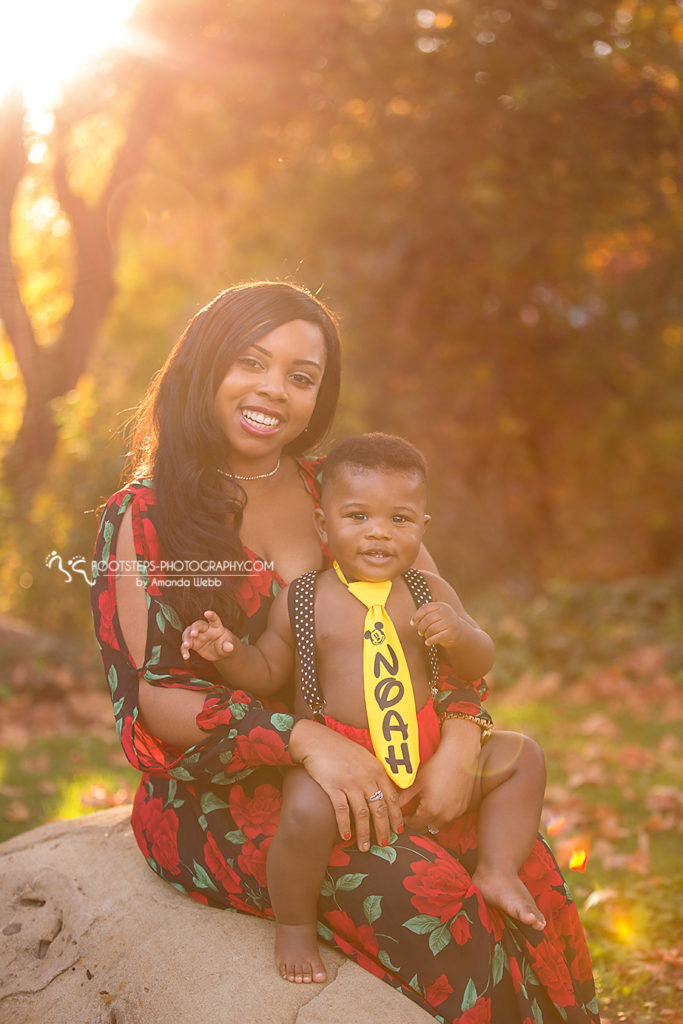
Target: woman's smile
(260, 421)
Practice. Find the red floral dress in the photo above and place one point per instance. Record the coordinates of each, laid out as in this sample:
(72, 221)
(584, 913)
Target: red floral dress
(204, 819)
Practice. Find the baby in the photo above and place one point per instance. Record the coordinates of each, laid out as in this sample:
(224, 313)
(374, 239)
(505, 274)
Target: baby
(361, 639)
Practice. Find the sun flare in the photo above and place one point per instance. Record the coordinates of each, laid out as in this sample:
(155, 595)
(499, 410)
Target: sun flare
(43, 44)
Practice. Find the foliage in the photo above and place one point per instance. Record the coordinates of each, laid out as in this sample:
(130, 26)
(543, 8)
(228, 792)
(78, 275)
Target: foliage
(486, 194)
(575, 629)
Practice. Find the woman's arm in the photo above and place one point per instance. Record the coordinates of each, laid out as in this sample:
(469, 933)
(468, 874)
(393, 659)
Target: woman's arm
(424, 561)
(173, 719)
(169, 714)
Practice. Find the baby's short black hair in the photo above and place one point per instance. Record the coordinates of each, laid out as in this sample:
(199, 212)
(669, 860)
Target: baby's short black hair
(382, 452)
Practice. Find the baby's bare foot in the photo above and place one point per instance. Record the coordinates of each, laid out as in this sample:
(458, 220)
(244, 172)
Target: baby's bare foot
(297, 955)
(507, 892)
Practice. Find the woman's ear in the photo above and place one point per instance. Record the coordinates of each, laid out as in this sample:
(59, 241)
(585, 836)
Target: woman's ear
(320, 524)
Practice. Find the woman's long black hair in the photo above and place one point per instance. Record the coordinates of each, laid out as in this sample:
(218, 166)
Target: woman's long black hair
(177, 439)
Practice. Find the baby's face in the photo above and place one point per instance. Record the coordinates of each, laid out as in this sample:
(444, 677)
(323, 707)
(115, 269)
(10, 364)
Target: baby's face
(373, 521)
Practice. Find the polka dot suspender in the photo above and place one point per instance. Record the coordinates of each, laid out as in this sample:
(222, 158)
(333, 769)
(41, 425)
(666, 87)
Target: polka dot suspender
(421, 594)
(301, 605)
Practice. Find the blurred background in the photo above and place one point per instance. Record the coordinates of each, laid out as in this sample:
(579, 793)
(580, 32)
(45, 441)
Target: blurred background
(490, 198)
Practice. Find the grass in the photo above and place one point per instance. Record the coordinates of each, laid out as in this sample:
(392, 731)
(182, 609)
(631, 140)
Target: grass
(592, 671)
(58, 777)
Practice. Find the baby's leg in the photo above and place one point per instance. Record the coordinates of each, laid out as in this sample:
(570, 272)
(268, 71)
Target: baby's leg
(510, 789)
(297, 860)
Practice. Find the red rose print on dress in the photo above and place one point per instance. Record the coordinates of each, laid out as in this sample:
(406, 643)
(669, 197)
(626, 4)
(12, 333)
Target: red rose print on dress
(260, 746)
(199, 897)
(460, 835)
(516, 973)
(553, 974)
(568, 930)
(460, 930)
(468, 709)
(256, 813)
(339, 858)
(161, 829)
(254, 589)
(252, 861)
(219, 869)
(225, 877)
(438, 991)
(354, 939)
(219, 709)
(480, 1013)
(439, 887)
(540, 875)
(107, 607)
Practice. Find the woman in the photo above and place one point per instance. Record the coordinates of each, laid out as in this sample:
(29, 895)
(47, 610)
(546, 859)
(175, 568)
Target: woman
(252, 384)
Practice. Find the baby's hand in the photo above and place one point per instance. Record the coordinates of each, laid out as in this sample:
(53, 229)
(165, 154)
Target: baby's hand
(208, 637)
(438, 623)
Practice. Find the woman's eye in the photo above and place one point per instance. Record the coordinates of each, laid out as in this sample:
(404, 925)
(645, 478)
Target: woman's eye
(251, 362)
(303, 379)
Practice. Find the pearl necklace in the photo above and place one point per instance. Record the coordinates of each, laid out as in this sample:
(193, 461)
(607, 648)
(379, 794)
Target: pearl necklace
(256, 476)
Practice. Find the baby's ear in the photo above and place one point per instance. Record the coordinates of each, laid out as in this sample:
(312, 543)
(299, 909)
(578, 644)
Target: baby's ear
(320, 524)
(427, 521)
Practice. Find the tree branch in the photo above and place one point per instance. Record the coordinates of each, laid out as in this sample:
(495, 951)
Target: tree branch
(12, 310)
(54, 372)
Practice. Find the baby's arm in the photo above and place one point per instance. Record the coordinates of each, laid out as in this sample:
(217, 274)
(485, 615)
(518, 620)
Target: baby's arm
(260, 668)
(445, 622)
(209, 638)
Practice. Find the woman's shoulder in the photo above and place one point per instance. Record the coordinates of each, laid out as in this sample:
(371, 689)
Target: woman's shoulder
(311, 468)
(136, 496)
(138, 493)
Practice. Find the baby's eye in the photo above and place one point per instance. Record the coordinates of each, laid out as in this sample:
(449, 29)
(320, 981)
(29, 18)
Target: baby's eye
(399, 519)
(358, 516)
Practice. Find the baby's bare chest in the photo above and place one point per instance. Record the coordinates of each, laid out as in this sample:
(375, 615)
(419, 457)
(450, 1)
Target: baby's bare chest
(340, 625)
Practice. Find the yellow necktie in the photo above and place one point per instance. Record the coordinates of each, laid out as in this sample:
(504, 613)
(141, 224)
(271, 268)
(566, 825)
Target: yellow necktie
(389, 698)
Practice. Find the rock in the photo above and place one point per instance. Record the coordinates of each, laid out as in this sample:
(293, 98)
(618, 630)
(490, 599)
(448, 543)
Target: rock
(90, 935)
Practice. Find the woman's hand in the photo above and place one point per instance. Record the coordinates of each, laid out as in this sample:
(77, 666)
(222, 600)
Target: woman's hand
(445, 784)
(350, 775)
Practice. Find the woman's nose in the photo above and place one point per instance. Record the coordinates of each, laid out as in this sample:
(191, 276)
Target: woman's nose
(273, 384)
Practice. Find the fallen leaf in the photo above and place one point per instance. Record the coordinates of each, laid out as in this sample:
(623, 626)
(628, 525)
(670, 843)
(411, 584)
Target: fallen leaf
(661, 823)
(664, 798)
(39, 765)
(599, 896)
(17, 811)
(600, 724)
(640, 859)
(646, 661)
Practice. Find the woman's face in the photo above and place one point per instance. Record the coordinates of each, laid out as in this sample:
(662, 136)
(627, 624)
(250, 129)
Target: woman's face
(268, 394)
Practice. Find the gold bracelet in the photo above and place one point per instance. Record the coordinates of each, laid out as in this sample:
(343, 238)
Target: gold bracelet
(485, 724)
